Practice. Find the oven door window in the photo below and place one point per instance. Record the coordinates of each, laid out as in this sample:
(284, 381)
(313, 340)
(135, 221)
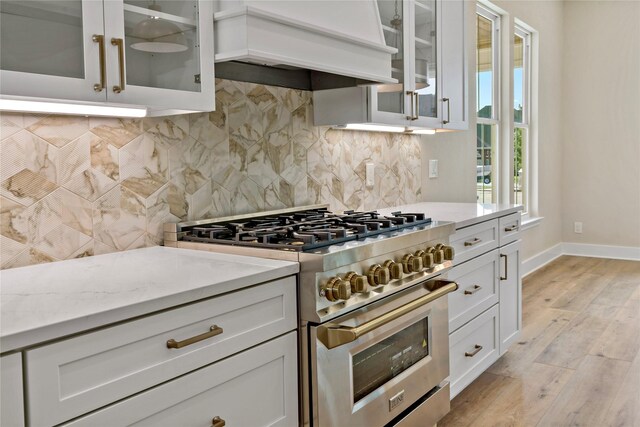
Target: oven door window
(388, 358)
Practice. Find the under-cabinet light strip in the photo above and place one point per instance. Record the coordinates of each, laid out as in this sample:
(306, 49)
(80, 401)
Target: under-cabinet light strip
(382, 128)
(65, 108)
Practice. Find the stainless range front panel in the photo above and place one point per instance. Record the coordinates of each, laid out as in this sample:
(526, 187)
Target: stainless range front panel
(377, 377)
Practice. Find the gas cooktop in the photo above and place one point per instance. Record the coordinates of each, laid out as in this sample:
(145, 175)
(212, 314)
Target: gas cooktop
(298, 230)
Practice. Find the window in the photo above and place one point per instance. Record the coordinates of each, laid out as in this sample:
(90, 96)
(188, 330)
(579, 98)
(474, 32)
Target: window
(521, 116)
(505, 136)
(487, 97)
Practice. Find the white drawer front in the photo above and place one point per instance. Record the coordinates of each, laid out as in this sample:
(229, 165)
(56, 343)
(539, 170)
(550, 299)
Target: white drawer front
(477, 288)
(509, 228)
(467, 360)
(257, 387)
(77, 375)
(475, 240)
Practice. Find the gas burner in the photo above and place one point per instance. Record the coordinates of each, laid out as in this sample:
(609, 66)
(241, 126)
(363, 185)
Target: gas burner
(303, 230)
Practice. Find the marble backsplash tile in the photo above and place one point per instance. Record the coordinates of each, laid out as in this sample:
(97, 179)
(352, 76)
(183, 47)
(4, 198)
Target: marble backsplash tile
(77, 186)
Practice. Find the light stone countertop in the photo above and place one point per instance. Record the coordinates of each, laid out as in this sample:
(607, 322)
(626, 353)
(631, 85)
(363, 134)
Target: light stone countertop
(48, 301)
(463, 214)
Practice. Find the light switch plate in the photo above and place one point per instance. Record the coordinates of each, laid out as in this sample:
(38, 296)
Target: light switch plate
(370, 175)
(433, 168)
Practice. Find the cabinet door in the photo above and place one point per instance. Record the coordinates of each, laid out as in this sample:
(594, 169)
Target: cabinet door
(424, 77)
(389, 103)
(47, 49)
(258, 387)
(454, 66)
(160, 54)
(11, 404)
(510, 295)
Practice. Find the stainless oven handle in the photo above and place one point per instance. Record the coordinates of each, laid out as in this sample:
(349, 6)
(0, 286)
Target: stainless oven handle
(332, 335)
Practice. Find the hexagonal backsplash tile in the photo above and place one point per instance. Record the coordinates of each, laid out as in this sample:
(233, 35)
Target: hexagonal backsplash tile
(77, 186)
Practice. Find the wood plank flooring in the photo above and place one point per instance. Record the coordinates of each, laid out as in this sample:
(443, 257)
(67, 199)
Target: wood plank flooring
(577, 362)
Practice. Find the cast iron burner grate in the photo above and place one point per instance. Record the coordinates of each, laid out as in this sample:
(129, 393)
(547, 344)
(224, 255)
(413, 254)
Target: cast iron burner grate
(303, 230)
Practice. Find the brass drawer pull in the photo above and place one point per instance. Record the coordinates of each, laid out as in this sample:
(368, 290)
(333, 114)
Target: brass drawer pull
(512, 228)
(218, 422)
(213, 331)
(120, 44)
(475, 351)
(98, 38)
(475, 241)
(472, 290)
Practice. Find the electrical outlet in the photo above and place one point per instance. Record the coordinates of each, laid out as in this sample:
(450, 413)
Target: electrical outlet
(370, 175)
(433, 168)
(577, 227)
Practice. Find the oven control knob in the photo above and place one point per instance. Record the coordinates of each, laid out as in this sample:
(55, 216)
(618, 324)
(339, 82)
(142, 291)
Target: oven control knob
(395, 268)
(438, 256)
(378, 275)
(449, 253)
(439, 246)
(337, 289)
(427, 259)
(411, 263)
(358, 282)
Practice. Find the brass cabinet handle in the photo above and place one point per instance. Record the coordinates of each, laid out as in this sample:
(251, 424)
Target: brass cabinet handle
(475, 241)
(218, 422)
(412, 94)
(98, 38)
(120, 44)
(448, 101)
(332, 335)
(476, 350)
(213, 331)
(472, 290)
(506, 272)
(417, 109)
(511, 228)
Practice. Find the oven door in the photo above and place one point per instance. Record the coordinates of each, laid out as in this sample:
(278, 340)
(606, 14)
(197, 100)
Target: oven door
(372, 365)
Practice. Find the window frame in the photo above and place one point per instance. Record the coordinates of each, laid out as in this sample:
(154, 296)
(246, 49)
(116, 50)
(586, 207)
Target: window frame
(525, 125)
(496, 85)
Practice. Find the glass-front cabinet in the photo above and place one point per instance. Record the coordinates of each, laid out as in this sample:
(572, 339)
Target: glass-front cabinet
(410, 27)
(430, 66)
(143, 52)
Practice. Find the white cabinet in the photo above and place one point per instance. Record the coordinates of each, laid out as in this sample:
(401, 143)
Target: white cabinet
(485, 313)
(120, 52)
(11, 404)
(257, 387)
(430, 67)
(510, 295)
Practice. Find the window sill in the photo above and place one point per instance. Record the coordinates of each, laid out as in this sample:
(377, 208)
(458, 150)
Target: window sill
(531, 222)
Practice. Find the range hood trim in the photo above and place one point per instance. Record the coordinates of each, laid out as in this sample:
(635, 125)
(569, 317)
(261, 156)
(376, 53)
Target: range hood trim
(260, 13)
(256, 36)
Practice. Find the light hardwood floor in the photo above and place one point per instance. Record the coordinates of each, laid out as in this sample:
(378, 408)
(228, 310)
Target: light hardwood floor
(577, 362)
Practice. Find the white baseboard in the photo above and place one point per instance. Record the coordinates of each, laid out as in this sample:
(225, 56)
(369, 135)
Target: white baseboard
(540, 260)
(602, 251)
(579, 249)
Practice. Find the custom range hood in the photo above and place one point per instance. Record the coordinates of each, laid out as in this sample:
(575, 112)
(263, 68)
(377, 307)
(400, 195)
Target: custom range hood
(303, 44)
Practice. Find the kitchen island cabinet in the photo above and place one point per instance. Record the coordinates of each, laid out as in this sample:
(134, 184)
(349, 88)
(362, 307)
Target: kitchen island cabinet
(154, 341)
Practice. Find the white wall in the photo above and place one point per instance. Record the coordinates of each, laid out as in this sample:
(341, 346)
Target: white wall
(456, 151)
(601, 104)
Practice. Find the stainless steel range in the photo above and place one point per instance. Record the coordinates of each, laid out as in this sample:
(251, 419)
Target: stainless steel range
(374, 345)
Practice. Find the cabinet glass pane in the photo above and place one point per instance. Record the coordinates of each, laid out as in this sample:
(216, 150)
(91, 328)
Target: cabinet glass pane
(42, 37)
(391, 96)
(161, 44)
(425, 57)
